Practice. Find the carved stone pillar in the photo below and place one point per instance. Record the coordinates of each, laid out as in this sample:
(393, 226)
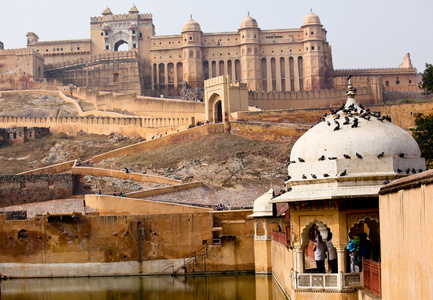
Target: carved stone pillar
(341, 257)
(299, 259)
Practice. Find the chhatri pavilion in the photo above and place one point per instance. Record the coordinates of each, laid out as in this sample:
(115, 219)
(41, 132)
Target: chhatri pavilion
(335, 172)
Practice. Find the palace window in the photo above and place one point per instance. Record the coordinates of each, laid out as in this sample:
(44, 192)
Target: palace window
(107, 47)
(312, 47)
(133, 31)
(134, 45)
(141, 34)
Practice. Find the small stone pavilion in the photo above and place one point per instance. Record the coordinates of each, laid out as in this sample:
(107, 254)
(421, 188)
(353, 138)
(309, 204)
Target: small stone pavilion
(336, 170)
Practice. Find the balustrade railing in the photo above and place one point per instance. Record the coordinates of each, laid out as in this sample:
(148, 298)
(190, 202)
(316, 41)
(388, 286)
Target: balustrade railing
(328, 281)
(372, 276)
(279, 237)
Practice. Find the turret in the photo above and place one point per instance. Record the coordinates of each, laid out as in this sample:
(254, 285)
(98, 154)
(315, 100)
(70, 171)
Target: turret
(249, 42)
(313, 59)
(32, 38)
(192, 53)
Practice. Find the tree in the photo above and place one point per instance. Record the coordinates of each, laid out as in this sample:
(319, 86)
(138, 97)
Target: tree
(423, 134)
(427, 80)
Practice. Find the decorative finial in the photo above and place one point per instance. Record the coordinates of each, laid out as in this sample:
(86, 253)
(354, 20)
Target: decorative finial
(311, 10)
(190, 16)
(248, 13)
(351, 92)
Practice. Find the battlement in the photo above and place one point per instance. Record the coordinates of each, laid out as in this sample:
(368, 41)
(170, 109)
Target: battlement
(20, 51)
(120, 17)
(224, 79)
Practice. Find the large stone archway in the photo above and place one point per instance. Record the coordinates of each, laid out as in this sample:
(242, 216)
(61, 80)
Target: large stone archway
(223, 98)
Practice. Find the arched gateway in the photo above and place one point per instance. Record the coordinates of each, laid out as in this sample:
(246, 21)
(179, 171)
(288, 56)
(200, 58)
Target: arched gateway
(223, 98)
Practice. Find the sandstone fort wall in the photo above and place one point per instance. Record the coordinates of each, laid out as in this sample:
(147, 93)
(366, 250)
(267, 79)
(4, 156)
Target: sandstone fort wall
(22, 189)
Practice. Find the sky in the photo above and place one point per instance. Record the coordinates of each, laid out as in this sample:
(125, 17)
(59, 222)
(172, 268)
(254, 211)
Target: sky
(363, 34)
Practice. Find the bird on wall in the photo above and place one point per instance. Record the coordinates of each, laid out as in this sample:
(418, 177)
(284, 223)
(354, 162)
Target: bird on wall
(399, 171)
(358, 155)
(346, 156)
(381, 155)
(332, 158)
(401, 155)
(344, 173)
(355, 123)
(407, 170)
(337, 127)
(303, 176)
(326, 175)
(329, 123)
(301, 159)
(314, 176)
(322, 158)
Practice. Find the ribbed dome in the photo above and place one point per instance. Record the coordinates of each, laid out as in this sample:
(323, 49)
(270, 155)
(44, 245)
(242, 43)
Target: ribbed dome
(133, 10)
(249, 22)
(107, 11)
(311, 19)
(352, 152)
(191, 25)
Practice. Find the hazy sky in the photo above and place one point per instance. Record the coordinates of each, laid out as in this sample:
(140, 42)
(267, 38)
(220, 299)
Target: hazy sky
(363, 34)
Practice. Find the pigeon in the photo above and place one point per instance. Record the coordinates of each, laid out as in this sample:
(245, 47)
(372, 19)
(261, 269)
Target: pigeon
(360, 105)
(420, 170)
(289, 188)
(401, 155)
(346, 156)
(381, 155)
(347, 121)
(322, 158)
(386, 182)
(301, 160)
(337, 127)
(337, 117)
(399, 171)
(287, 178)
(358, 155)
(303, 176)
(413, 171)
(367, 118)
(293, 161)
(336, 122)
(327, 122)
(332, 158)
(325, 114)
(288, 163)
(407, 170)
(355, 123)
(344, 173)
(326, 175)
(314, 176)
(349, 76)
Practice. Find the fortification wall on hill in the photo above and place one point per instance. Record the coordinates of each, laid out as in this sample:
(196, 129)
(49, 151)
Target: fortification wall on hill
(22, 189)
(131, 126)
(144, 106)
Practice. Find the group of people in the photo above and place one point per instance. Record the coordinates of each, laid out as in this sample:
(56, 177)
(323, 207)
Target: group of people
(223, 207)
(359, 250)
(320, 249)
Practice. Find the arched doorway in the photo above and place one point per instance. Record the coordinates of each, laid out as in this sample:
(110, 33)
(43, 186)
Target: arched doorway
(121, 46)
(307, 246)
(218, 117)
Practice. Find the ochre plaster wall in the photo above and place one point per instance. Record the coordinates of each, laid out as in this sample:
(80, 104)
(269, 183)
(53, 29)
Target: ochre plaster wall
(107, 205)
(236, 251)
(406, 230)
(103, 239)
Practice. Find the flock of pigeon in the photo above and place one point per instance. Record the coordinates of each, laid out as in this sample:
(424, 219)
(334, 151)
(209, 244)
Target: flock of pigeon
(346, 117)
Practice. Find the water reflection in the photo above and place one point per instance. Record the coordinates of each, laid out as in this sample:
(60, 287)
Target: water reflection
(240, 287)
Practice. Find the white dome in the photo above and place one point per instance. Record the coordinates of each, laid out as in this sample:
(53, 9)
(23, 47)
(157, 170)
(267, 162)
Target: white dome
(263, 205)
(334, 159)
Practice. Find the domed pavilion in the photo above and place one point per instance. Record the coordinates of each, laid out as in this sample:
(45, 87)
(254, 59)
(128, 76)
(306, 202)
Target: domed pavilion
(335, 172)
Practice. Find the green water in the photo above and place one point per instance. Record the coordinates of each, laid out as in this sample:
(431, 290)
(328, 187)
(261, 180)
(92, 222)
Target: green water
(242, 287)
